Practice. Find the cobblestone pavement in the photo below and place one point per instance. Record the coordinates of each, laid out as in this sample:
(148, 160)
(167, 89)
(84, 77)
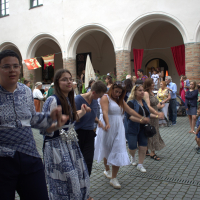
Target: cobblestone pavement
(175, 176)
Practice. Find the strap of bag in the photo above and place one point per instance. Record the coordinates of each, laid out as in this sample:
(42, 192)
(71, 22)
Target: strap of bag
(142, 109)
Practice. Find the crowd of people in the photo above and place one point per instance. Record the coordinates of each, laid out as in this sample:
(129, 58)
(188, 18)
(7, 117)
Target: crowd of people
(71, 139)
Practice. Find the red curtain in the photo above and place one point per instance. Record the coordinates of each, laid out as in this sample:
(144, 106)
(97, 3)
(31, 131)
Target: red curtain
(178, 53)
(138, 55)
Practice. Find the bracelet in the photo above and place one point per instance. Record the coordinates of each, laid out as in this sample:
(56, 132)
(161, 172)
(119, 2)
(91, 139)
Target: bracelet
(141, 119)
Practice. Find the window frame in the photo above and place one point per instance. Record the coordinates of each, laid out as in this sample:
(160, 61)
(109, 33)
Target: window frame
(31, 4)
(3, 2)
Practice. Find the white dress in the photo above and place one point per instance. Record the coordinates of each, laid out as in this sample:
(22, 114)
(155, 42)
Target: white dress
(111, 144)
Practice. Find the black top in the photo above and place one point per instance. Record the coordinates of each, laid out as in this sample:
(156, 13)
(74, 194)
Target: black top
(131, 105)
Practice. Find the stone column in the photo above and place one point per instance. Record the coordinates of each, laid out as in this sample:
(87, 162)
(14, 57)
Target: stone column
(70, 64)
(29, 74)
(123, 63)
(192, 62)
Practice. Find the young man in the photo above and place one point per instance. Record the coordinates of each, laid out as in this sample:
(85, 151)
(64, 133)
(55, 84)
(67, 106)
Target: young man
(197, 138)
(172, 87)
(85, 126)
(141, 75)
(21, 168)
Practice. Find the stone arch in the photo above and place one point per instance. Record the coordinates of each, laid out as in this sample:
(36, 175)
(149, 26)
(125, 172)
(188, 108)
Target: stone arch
(141, 21)
(81, 33)
(197, 33)
(12, 46)
(37, 41)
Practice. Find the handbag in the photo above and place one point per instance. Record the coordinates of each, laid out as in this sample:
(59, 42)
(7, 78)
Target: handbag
(149, 130)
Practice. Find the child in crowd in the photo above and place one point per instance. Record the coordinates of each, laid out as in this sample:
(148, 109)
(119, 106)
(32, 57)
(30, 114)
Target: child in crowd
(155, 78)
(186, 83)
(197, 138)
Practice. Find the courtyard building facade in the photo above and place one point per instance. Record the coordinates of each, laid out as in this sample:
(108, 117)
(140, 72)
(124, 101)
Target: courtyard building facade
(106, 30)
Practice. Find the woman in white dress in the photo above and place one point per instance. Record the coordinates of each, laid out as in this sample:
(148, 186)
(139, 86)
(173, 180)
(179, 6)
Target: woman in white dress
(110, 143)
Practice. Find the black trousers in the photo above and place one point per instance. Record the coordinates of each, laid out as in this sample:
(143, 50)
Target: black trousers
(86, 144)
(24, 174)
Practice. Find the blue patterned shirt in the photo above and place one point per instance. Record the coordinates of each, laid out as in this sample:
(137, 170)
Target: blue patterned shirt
(17, 117)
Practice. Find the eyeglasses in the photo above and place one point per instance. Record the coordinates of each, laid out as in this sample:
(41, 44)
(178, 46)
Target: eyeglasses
(7, 68)
(67, 80)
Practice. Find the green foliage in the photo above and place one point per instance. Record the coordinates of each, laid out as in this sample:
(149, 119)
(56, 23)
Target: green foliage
(21, 80)
(123, 75)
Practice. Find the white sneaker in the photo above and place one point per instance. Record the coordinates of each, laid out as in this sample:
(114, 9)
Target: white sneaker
(141, 168)
(114, 182)
(108, 174)
(133, 161)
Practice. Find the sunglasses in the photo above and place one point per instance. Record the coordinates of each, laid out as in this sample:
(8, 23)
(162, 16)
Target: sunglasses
(119, 83)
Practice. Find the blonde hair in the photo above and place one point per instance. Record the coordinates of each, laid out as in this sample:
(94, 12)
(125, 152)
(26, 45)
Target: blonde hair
(134, 89)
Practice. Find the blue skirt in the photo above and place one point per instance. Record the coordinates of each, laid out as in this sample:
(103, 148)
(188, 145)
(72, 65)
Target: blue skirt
(66, 171)
(192, 111)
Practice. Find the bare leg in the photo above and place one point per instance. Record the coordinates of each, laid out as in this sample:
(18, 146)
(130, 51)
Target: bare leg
(115, 170)
(193, 122)
(142, 154)
(198, 142)
(132, 152)
(105, 164)
(190, 120)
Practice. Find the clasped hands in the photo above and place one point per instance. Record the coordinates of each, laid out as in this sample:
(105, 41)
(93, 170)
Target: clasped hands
(61, 119)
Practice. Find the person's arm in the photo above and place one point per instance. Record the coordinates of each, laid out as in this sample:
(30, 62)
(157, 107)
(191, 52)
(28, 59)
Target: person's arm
(191, 96)
(104, 106)
(135, 114)
(51, 113)
(136, 119)
(168, 98)
(82, 112)
(174, 89)
(198, 129)
(100, 124)
(152, 110)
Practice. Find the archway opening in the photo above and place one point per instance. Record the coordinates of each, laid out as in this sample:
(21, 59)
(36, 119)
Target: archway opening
(100, 48)
(47, 47)
(156, 38)
(156, 63)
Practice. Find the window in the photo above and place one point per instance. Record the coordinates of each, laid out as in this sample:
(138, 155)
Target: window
(35, 3)
(4, 10)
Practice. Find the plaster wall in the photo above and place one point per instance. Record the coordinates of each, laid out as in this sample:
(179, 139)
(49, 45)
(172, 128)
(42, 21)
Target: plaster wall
(62, 18)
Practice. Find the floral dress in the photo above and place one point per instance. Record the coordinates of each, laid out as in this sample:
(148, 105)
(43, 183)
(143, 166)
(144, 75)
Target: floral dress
(155, 143)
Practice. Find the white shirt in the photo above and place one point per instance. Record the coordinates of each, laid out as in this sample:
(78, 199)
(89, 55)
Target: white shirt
(155, 78)
(37, 94)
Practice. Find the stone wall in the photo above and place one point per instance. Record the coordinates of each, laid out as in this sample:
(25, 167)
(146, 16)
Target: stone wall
(70, 64)
(192, 61)
(123, 63)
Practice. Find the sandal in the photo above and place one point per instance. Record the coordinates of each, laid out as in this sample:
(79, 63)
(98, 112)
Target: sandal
(90, 198)
(155, 157)
(194, 132)
(147, 153)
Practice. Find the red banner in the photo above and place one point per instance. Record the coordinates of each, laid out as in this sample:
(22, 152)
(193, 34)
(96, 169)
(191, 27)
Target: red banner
(32, 63)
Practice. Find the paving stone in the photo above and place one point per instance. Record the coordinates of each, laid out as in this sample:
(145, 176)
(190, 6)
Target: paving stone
(178, 160)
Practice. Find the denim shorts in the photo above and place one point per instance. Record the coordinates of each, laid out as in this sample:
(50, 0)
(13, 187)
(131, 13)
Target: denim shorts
(139, 138)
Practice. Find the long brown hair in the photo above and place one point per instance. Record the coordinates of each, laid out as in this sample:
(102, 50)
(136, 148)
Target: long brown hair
(147, 84)
(119, 85)
(109, 79)
(63, 100)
